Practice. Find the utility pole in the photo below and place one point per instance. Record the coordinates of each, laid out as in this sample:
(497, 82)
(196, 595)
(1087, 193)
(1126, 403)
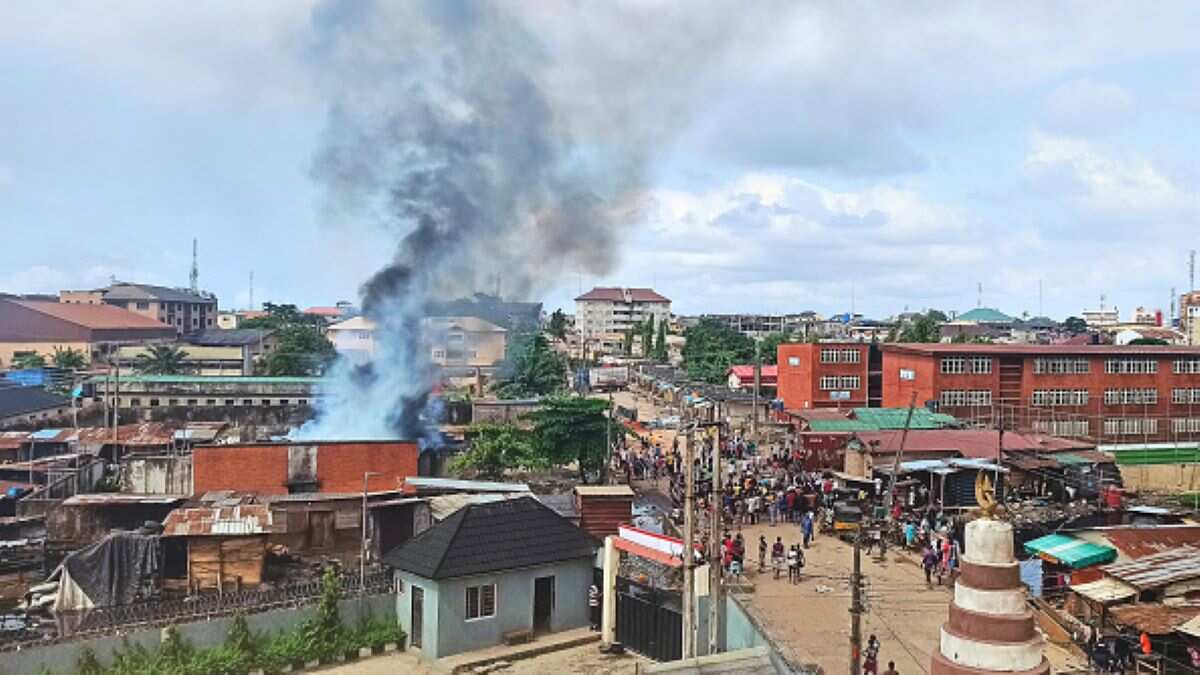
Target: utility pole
(714, 584)
(362, 560)
(689, 546)
(856, 608)
(757, 384)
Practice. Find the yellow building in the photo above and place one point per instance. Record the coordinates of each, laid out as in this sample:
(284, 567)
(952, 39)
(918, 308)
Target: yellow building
(39, 327)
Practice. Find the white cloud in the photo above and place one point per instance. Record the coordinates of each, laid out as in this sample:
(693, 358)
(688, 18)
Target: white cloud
(1087, 107)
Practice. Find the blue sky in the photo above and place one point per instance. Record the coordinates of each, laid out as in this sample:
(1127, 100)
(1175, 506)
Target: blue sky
(912, 151)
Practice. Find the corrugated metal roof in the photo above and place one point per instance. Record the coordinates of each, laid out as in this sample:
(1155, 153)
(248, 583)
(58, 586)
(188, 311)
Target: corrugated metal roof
(894, 418)
(117, 498)
(444, 506)
(240, 520)
(96, 317)
(1105, 590)
(1154, 619)
(1070, 551)
(463, 485)
(980, 443)
(1140, 542)
(1191, 627)
(1161, 569)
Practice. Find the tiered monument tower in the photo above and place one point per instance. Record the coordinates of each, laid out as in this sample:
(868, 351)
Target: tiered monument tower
(991, 628)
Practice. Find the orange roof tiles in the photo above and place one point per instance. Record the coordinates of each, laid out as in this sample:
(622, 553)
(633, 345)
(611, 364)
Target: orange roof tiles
(92, 316)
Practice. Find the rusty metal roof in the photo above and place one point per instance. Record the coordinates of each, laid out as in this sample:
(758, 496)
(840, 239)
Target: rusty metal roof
(241, 520)
(1154, 571)
(147, 434)
(11, 440)
(1154, 619)
(1139, 542)
(117, 498)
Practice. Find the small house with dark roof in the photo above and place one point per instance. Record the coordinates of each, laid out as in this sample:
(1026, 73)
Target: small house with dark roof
(490, 571)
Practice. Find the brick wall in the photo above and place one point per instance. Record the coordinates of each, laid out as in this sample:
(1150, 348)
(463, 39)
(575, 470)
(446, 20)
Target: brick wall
(800, 382)
(263, 468)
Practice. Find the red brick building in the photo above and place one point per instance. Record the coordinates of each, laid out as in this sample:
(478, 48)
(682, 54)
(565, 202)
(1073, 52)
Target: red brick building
(291, 468)
(1114, 394)
(829, 375)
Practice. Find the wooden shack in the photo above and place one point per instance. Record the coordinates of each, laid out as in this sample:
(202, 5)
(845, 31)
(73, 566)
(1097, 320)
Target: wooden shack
(225, 545)
(602, 508)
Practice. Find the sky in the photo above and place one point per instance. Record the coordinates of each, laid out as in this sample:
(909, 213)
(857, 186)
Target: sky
(792, 156)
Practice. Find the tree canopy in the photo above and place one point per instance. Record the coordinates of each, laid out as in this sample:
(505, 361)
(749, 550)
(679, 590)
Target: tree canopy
(301, 350)
(557, 326)
(768, 349)
(1148, 341)
(1075, 325)
(68, 359)
(924, 328)
(162, 360)
(282, 315)
(532, 368)
(569, 429)
(659, 353)
(28, 361)
(712, 347)
(495, 448)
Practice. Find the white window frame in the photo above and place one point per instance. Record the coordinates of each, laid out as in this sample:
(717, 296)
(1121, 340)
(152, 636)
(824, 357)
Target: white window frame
(1054, 398)
(851, 382)
(965, 398)
(829, 382)
(479, 602)
(953, 365)
(1141, 396)
(1185, 425)
(1130, 426)
(1062, 427)
(839, 355)
(1181, 395)
(1187, 366)
(1126, 365)
(980, 365)
(1061, 365)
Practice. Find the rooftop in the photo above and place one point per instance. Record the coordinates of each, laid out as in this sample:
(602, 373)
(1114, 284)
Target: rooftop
(604, 491)
(1161, 569)
(985, 315)
(466, 324)
(747, 372)
(617, 294)
(454, 484)
(211, 379)
(149, 292)
(228, 338)
(244, 519)
(92, 316)
(20, 400)
(934, 348)
(979, 443)
(483, 538)
(354, 323)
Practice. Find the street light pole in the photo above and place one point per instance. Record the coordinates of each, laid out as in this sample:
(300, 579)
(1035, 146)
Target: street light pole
(362, 560)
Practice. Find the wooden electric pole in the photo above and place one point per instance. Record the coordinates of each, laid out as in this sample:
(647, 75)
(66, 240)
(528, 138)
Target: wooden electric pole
(856, 608)
(757, 384)
(689, 547)
(714, 585)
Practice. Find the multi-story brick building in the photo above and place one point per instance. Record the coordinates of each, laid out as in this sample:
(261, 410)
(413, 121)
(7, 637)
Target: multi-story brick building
(829, 375)
(1114, 394)
(184, 310)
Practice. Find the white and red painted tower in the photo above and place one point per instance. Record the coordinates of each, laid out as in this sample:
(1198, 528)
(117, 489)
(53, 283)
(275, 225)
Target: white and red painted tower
(991, 628)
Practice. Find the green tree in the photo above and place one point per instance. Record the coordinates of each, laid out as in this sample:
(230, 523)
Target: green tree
(925, 328)
(162, 360)
(282, 315)
(1075, 325)
(301, 350)
(557, 327)
(660, 343)
(937, 315)
(495, 448)
(532, 369)
(323, 632)
(1148, 341)
(712, 347)
(68, 359)
(629, 341)
(28, 361)
(769, 347)
(893, 334)
(570, 429)
(646, 331)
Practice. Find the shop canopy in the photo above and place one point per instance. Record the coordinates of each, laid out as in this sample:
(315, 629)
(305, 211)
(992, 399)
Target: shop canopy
(1069, 551)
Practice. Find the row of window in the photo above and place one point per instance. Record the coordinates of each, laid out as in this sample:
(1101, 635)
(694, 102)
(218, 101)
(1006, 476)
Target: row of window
(832, 382)
(840, 356)
(1059, 397)
(1186, 395)
(1130, 426)
(1062, 427)
(1188, 366)
(1131, 366)
(1130, 396)
(228, 402)
(1060, 365)
(953, 398)
(1186, 425)
(959, 365)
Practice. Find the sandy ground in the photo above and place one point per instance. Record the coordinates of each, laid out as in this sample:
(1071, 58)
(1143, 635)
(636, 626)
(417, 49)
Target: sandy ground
(584, 660)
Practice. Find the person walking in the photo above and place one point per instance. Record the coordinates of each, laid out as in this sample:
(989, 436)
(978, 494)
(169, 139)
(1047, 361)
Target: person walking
(891, 669)
(762, 553)
(594, 606)
(871, 656)
(806, 527)
(929, 561)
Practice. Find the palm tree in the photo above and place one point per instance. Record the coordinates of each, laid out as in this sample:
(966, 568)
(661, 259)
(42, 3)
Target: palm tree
(68, 359)
(28, 361)
(161, 360)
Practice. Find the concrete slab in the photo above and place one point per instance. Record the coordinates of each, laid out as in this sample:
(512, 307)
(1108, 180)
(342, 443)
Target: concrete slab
(542, 644)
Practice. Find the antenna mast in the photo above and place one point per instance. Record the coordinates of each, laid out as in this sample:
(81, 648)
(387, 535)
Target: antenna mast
(195, 279)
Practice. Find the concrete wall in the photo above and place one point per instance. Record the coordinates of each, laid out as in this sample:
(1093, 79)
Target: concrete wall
(429, 632)
(1163, 477)
(168, 475)
(62, 657)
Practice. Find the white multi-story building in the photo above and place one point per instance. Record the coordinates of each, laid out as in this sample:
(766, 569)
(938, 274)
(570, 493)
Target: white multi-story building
(603, 311)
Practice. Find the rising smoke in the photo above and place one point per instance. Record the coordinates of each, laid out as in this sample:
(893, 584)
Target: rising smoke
(442, 132)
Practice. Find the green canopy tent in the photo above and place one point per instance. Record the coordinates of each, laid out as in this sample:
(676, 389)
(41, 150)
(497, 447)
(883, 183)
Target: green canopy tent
(1069, 551)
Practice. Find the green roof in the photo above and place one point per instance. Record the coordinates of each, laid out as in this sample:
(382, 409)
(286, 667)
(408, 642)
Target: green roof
(212, 379)
(840, 425)
(1070, 459)
(1159, 455)
(894, 418)
(984, 315)
(1069, 551)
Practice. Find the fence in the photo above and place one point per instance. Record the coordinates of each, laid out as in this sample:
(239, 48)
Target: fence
(99, 622)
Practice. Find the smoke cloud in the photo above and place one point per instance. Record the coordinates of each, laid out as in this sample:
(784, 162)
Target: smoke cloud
(442, 132)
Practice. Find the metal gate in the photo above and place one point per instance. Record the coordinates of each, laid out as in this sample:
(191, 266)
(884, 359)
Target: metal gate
(649, 621)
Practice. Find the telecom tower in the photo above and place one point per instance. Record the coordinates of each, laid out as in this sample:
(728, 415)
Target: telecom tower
(195, 278)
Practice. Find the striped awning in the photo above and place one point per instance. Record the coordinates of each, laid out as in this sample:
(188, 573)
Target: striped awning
(1075, 553)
